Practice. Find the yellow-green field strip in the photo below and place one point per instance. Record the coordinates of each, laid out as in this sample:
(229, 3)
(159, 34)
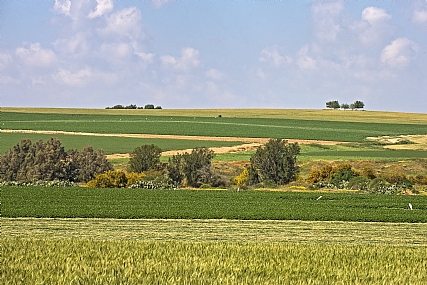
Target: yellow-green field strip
(399, 234)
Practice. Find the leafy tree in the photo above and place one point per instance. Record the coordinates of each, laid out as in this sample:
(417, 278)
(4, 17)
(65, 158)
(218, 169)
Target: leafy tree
(85, 164)
(28, 161)
(144, 157)
(276, 161)
(149, 106)
(345, 106)
(196, 166)
(174, 168)
(358, 105)
(333, 105)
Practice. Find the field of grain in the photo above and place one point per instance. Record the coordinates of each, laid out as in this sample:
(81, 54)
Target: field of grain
(111, 251)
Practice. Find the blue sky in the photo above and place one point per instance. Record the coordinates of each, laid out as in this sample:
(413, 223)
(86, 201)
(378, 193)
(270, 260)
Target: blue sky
(214, 54)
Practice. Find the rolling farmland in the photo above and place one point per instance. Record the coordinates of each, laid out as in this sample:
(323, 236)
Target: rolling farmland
(134, 236)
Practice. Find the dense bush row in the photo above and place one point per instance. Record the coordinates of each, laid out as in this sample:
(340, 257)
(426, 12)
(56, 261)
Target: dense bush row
(48, 161)
(54, 183)
(344, 176)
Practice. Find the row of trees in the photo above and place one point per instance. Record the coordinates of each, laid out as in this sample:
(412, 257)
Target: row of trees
(133, 106)
(275, 163)
(28, 161)
(336, 105)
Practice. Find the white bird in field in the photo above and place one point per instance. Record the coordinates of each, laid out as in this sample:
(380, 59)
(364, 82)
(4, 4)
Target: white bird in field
(410, 206)
(318, 198)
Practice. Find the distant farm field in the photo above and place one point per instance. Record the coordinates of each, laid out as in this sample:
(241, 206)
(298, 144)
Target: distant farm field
(110, 145)
(208, 204)
(313, 129)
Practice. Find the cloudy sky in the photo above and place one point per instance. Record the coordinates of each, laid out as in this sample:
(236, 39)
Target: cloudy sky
(214, 54)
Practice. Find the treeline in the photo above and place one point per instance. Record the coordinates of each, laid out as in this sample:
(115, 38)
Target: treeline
(132, 106)
(336, 105)
(272, 165)
(48, 161)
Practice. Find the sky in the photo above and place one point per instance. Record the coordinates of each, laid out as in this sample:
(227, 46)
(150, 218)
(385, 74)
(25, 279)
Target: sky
(214, 54)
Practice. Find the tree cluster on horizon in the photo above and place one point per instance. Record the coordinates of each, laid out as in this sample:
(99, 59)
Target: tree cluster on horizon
(336, 105)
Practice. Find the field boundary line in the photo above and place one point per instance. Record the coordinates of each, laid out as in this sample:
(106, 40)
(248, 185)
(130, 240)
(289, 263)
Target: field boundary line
(181, 137)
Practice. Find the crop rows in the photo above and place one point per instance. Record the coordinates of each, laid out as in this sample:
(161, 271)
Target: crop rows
(110, 144)
(202, 126)
(67, 261)
(200, 204)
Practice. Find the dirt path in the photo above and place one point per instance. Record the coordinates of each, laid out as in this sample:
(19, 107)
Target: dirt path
(249, 143)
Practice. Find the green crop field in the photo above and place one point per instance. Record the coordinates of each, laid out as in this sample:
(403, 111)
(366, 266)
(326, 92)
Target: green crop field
(134, 236)
(205, 126)
(110, 145)
(208, 204)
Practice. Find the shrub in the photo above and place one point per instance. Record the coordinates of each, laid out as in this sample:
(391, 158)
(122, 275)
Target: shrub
(358, 183)
(160, 182)
(344, 174)
(109, 179)
(242, 178)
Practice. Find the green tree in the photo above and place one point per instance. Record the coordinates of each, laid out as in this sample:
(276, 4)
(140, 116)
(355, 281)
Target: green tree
(358, 105)
(333, 105)
(196, 166)
(174, 168)
(276, 161)
(87, 163)
(345, 106)
(149, 106)
(144, 158)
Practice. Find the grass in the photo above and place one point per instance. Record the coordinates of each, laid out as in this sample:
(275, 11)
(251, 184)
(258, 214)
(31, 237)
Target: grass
(110, 145)
(191, 230)
(205, 126)
(300, 114)
(206, 204)
(88, 261)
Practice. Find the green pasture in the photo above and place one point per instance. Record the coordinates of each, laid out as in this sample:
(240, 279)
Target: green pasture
(110, 145)
(299, 114)
(209, 126)
(207, 204)
(337, 153)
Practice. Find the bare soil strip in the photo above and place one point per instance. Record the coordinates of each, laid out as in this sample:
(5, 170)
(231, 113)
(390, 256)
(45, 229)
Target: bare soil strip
(249, 143)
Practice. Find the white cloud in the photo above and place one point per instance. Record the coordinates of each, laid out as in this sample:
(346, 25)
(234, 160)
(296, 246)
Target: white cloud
(83, 76)
(272, 55)
(35, 56)
(189, 59)
(62, 6)
(5, 60)
(305, 61)
(102, 7)
(214, 74)
(124, 23)
(116, 50)
(72, 45)
(374, 28)
(399, 53)
(374, 15)
(419, 16)
(326, 15)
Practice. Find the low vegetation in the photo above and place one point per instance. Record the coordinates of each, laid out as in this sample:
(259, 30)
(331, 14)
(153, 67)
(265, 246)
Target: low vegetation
(207, 204)
(70, 261)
